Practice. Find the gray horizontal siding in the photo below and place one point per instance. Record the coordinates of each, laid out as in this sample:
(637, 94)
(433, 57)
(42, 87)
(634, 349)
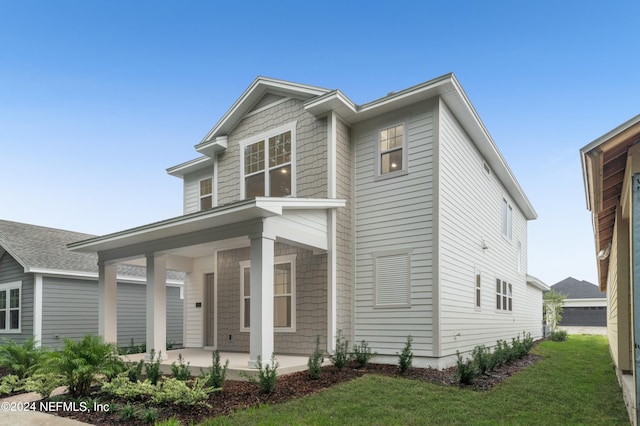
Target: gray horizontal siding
(70, 309)
(12, 271)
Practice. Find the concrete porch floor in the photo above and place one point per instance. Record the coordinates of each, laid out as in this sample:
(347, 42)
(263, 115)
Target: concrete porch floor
(238, 361)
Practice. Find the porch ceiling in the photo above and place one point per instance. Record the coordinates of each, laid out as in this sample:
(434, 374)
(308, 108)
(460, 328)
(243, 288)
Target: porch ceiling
(295, 220)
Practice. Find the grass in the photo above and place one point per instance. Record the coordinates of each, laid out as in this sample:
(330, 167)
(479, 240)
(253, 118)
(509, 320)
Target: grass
(574, 384)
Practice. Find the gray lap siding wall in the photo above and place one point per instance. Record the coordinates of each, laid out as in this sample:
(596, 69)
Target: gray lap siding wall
(12, 271)
(311, 302)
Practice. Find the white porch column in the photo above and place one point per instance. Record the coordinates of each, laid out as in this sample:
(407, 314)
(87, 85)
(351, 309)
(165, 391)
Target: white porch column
(108, 302)
(156, 306)
(261, 276)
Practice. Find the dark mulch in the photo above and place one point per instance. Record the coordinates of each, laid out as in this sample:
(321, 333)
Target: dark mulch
(237, 395)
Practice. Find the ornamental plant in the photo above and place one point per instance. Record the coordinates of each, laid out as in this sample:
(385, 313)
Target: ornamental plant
(405, 358)
(341, 355)
(267, 375)
(315, 361)
(216, 374)
(362, 354)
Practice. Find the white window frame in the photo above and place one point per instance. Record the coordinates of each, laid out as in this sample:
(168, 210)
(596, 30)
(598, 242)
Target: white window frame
(264, 136)
(504, 296)
(290, 259)
(7, 287)
(507, 219)
(477, 291)
(379, 152)
(401, 255)
(201, 196)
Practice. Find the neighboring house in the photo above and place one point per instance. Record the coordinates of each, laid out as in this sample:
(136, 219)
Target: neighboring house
(585, 305)
(48, 292)
(307, 215)
(611, 170)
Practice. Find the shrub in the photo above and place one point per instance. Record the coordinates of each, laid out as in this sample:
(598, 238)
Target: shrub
(501, 354)
(315, 361)
(559, 335)
(43, 384)
(362, 354)
(80, 362)
(405, 358)
(466, 370)
(527, 342)
(216, 376)
(482, 359)
(134, 371)
(172, 421)
(10, 384)
(181, 370)
(20, 359)
(152, 368)
(177, 391)
(149, 415)
(122, 387)
(517, 348)
(267, 375)
(128, 412)
(341, 355)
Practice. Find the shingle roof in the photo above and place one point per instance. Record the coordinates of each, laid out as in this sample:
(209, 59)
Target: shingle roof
(38, 248)
(575, 289)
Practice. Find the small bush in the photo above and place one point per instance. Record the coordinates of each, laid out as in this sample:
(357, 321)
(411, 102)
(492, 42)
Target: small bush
(527, 342)
(128, 412)
(517, 348)
(152, 368)
(362, 354)
(466, 370)
(315, 361)
(501, 354)
(20, 359)
(177, 391)
(267, 375)
(216, 376)
(405, 358)
(134, 371)
(149, 415)
(122, 387)
(43, 384)
(341, 355)
(181, 370)
(482, 359)
(559, 335)
(10, 384)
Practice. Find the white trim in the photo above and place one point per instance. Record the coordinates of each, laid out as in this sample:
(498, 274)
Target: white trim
(53, 273)
(290, 259)
(7, 287)
(264, 136)
(37, 308)
(200, 196)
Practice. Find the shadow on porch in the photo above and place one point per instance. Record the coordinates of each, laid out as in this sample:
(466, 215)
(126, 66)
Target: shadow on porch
(238, 361)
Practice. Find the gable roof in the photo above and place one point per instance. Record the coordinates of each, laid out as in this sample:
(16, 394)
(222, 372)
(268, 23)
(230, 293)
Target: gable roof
(39, 249)
(319, 102)
(575, 289)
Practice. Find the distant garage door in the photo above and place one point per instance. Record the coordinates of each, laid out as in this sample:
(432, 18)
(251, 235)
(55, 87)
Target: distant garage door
(586, 317)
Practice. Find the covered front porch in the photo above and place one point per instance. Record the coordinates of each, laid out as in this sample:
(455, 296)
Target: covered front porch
(238, 362)
(231, 306)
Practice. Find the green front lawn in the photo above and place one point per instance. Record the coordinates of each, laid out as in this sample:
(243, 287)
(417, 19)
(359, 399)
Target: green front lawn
(574, 384)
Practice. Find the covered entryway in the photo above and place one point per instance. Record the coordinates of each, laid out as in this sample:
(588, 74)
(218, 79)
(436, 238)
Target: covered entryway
(190, 244)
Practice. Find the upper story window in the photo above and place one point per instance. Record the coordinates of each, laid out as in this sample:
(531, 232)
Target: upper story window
(10, 295)
(268, 166)
(391, 151)
(206, 194)
(507, 218)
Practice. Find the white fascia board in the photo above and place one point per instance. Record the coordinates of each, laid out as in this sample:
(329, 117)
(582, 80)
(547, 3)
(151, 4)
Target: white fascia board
(585, 303)
(281, 203)
(190, 166)
(537, 283)
(251, 95)
(93, 276)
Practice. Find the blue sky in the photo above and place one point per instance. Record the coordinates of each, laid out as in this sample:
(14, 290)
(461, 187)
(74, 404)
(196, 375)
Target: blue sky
(98, 98)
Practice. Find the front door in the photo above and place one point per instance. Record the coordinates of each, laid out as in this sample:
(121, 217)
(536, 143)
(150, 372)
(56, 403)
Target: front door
(210, 309)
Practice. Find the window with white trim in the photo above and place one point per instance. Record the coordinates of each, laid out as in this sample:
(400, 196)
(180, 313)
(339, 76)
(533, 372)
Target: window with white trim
(478, 290)
(284, 284)
(507, 219)
(267, 166)
(206, 194)
(504, 295)
(392, 280)
(10, 305)
(391, 151)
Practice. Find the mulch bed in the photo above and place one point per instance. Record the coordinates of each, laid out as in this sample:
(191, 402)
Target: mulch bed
(236, 395)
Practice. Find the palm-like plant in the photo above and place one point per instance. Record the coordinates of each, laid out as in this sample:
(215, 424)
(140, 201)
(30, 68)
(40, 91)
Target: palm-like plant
(20, 359)
(80, 362)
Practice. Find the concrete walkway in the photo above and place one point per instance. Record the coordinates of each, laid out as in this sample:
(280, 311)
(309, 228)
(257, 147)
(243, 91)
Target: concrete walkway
(16, 410)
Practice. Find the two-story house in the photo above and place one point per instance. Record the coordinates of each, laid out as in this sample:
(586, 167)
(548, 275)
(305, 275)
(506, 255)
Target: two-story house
(307, 215)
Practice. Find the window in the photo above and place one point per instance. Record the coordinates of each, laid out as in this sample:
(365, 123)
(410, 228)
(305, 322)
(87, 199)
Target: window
(206, 194)
(507, 214)
(478, 284)
(519, 257)
(391, 152)
(504, 297)
(392, 280)
(10, 307)
(284, 282)
(268, 166)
